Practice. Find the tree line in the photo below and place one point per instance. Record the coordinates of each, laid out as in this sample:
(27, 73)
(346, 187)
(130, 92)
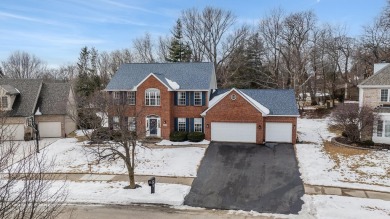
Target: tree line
(283, 50)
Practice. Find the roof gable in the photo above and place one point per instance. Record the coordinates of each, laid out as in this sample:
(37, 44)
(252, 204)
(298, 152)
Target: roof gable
(187, 76)
(53, 98)
(26, 102)
(264, 111)
(381, 78)
(280, 102)
(152, 75)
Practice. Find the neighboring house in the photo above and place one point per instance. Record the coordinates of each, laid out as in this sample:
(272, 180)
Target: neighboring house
(374, 92)
(51, 104)
(164, 97)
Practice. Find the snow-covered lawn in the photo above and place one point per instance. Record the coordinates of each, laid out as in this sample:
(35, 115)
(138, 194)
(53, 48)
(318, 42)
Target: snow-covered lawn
(73, 157)
(326, 206)
(321, 163)
(113, 193)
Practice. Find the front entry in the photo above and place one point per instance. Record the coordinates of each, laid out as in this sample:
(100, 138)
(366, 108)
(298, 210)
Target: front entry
(153, 126)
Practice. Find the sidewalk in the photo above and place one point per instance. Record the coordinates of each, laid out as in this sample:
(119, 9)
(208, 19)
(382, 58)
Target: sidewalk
(80, 177)
(359, 193)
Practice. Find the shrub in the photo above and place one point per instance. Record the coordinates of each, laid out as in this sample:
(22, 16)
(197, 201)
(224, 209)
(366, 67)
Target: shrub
(344, 134)
(101, 134)
(178, 136)
(195, 136)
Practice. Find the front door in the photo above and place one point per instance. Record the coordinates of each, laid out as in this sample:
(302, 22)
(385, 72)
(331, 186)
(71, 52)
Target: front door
(153, 126)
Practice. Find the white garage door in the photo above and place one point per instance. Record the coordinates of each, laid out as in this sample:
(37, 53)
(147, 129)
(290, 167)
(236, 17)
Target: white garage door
(49, 129)
(13, 132)
(278, 132)
(233, 132)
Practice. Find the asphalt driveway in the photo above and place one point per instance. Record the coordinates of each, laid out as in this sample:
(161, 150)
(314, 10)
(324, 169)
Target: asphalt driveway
(248, 177)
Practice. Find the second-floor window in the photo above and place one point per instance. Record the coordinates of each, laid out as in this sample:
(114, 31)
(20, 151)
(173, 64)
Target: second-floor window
(384, 95)
(152, 97)
(130, 97)
(181, 98)
(198, 98)
(4, 102)
(116, 96)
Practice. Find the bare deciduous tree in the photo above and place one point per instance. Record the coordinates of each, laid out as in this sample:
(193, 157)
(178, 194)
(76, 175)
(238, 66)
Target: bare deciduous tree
(23, 65)
(144, 48)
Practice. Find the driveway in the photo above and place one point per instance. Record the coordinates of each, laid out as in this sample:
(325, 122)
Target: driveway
(248, 177)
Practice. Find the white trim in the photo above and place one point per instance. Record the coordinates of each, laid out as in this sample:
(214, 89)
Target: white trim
(374, 86)
(201, 98)
(151, 74)
(361, 93)
(264, 110)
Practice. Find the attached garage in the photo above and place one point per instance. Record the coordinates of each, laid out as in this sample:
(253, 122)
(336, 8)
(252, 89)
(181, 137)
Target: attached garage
(233, 132)
(13, 131)
(49, 129)
(278, 132)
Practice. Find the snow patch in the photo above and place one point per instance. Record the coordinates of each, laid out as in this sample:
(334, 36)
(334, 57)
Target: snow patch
(167, 142)
(174, 85)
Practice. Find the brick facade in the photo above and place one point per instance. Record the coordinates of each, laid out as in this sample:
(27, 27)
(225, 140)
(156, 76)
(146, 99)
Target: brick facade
(241, 111)
(167, 111)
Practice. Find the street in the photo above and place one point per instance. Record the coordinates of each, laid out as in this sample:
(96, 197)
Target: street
(144, 212)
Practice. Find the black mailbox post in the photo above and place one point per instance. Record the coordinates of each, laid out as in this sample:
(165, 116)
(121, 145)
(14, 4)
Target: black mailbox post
(152, 182)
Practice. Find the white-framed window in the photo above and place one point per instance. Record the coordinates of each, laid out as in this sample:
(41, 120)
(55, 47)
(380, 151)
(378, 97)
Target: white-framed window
(198, 125)
(181, 124)
(385, 95)
(4, 102)
(383, 128)
(181, 98)
(130, 96)
(115, 122)
(152, 97)
(116, 95)
(198, 98)
(131, 123)
(379, 128)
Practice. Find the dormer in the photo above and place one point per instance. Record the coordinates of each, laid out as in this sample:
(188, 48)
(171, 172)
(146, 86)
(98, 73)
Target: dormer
(8, 95)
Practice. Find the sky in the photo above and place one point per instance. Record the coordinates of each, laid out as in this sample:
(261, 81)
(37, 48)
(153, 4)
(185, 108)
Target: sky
(56, 30)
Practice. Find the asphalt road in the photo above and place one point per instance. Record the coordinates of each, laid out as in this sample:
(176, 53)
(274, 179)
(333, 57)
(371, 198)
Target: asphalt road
(248, 177)
(145, 212)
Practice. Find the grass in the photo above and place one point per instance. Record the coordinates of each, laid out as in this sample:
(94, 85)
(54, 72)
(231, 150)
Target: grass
(352, 160)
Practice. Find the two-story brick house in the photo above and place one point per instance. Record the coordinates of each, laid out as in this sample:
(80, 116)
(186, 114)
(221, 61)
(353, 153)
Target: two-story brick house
(374, 92)
(160, 98)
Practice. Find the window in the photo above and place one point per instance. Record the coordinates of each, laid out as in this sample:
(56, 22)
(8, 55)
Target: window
(4, 102)
(181, 124)
(198, 125)
(130, 97)
(181, 98)
(387, 128)
(384, 95)
(198, 98)
(152, 97)
(379, 128)
(115, 122)
(131, 123)
(116, 96)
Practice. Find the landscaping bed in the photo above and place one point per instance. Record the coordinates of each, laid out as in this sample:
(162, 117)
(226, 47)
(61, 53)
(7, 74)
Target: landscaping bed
(344, 142)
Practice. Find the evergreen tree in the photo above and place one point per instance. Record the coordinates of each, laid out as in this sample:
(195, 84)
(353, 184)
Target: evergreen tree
(88, 81)
(178, 50)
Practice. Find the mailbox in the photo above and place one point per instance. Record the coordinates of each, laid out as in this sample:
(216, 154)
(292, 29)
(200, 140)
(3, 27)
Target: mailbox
(152, 182)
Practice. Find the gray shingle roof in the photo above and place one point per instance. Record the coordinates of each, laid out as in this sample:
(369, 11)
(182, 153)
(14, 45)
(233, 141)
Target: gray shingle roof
(278, 101)
(29, 89)
(54, 98)
(10, 90)
(382, 77)
(190, 76)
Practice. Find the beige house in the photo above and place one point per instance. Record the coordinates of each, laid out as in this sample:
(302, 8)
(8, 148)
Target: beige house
(374, 92)
(50, 104)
